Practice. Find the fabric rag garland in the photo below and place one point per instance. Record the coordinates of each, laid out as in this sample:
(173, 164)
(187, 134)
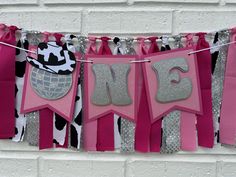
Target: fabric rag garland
(51, 69)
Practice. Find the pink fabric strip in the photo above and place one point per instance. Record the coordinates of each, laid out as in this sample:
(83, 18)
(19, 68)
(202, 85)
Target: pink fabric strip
(155, 134)
(90, 128)
(105, 124)
(188, 131)
(228, 109)
(7, 82)
(143, 125)
(45, 128)
(205, 122)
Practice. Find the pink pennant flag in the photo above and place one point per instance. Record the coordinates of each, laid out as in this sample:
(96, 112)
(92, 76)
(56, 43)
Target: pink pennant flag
(162, 83)
(63, 106)
(95, 111)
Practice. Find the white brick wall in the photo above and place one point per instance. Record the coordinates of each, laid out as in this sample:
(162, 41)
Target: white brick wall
(123, 17)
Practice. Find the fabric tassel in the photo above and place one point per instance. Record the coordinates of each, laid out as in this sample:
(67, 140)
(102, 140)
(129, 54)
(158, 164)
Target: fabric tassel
(127, 127)
(90, 128)
(76, 125)
(155, 134)
(205, 122)
(47, 117)
(32, 119)
(218, 80)
(20, 73)
(171, 126)
(7, 82)
(188, 133)
(118, 50)
(105, 132)
(228, 111)
(143, 125)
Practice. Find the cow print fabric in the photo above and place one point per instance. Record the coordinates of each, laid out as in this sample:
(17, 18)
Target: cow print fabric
(60, 125)
(52, 58)
(20, 73)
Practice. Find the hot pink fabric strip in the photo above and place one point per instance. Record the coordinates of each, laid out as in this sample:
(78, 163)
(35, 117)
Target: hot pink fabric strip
(155, 134)
(105, 124)
(90, 128)
(205, 122)
(188, 131)
(228, 109)
(143, 125)
(7, 82)
(45, 128)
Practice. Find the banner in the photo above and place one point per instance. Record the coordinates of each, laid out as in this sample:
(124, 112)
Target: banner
(156, 97)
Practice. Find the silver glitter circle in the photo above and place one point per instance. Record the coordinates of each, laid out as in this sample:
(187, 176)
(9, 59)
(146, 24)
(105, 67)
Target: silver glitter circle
(48, 85)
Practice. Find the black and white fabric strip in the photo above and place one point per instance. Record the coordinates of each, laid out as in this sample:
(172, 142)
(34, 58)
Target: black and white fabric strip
(20, 73)
(52, 58)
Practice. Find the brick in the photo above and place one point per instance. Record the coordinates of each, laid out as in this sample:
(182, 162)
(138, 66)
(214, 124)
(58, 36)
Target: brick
(17, 2)
(170, 169)
(7, 145)
(82, 1)
(193, 169)
(195, 21)
(128, 22)
(230, 1)
(141, 168)
(227, 169)
(81, 168)
(179, 1)
(44, 21)
(16, 167)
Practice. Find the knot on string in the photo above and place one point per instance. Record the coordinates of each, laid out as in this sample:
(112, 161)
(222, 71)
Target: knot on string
(202, 43)
(153, 47)
(189, 40)
(104, 48)
(118, 49)
(142, 46)
(92, 48)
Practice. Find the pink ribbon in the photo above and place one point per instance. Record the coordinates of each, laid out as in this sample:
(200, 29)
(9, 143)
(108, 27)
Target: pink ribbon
(155, 134)
(228, 110)
(45, 128)
(7, 82)
(205, 122)
(90, 128)
(105, 124)
(188, 134)
(143, 125)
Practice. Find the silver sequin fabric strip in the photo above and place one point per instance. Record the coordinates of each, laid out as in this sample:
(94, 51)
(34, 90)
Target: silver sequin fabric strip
(32, 119)
(218, 79)
(32, 128)
(171, 133)
(171, 123)
(127, 126)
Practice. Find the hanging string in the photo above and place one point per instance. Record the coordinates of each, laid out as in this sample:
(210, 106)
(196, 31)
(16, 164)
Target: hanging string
(9, 45)
(190, 53)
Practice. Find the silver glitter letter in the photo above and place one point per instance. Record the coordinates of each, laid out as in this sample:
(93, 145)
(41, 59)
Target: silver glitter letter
(170, 86)
(111, 85)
